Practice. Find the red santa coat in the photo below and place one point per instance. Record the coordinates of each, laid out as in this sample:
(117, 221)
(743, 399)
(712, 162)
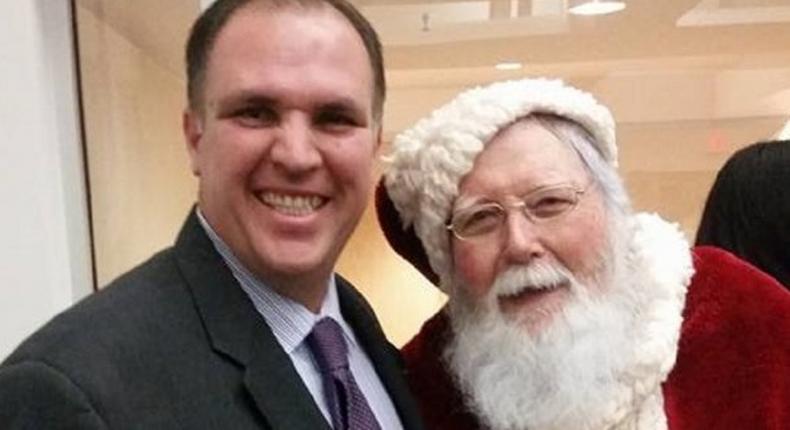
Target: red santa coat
(733, 361)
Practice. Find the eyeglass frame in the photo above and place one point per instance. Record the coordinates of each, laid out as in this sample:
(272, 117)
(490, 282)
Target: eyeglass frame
(578, 193)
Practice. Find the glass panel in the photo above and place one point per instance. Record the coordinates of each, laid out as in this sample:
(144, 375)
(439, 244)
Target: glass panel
(133, 95)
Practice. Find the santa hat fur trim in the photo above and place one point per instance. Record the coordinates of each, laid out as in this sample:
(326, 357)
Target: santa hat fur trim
(427, 161)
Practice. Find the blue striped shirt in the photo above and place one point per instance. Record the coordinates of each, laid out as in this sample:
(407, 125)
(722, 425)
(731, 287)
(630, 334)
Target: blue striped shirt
(291, 322)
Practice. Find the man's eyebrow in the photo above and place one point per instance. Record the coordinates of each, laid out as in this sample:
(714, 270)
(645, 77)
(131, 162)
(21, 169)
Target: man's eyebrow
(465, 202)
(248, 98)
(343, 104)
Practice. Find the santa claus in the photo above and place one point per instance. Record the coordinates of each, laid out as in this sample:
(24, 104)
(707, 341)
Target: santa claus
(566, 309)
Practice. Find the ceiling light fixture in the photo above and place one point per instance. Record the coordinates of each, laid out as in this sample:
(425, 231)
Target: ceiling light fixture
(595, 7)
(509, 65)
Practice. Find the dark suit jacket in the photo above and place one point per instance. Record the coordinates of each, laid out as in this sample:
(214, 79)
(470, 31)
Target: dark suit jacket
(176, 344)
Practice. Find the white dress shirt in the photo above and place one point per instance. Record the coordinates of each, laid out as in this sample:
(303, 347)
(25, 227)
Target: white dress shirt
(291, 322)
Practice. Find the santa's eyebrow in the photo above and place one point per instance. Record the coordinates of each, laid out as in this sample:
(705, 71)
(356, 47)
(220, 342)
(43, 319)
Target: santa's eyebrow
(466, 201)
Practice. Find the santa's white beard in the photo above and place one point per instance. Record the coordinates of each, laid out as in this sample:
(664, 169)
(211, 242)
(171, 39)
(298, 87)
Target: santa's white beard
(573, 374)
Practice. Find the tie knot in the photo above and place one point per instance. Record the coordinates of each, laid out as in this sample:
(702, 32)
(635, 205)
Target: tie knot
(328, 345)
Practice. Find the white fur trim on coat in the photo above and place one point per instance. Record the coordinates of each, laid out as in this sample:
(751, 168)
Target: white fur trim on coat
(427, 161)
(659, 265)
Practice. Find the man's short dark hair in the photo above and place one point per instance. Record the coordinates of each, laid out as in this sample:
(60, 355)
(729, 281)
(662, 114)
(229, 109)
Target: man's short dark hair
(205, 30)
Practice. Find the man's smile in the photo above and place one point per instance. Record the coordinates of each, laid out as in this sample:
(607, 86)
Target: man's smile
(534, 297)
(292, 204)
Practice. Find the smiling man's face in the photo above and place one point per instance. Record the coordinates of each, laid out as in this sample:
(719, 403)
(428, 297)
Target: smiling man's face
(520, 159)
(284, 143)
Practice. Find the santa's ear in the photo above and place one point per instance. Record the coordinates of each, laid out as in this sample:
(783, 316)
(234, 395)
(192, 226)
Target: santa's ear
(403, 240)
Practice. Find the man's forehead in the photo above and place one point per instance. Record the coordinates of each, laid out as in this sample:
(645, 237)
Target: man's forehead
(249, 14)
(524, 158)
(255, 19)
(252, 65)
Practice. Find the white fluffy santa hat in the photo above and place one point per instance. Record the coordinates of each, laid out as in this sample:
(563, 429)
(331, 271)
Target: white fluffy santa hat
(427, 161)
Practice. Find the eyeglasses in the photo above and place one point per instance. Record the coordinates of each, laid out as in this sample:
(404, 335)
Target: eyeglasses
(540, 205)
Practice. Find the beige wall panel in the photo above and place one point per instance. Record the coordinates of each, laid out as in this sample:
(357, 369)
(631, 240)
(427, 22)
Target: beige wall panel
(669, 167)
(679, 197)
(684, 146)
(402, 297)
(141, 187)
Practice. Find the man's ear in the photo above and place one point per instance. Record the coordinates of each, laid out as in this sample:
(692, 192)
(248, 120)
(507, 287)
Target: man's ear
(192, 126)
(378, 136)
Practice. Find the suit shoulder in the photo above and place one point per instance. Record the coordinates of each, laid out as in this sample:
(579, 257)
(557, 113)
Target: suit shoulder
(358, 312)
(122, 315)
(350, 296)
(37, 395)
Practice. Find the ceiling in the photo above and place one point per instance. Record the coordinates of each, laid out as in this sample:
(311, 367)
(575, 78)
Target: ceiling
(657, 61)
(652, 46)
(158, 30)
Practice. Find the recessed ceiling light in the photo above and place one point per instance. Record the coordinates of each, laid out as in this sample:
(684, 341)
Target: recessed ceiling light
(595, 7)
(509, 65)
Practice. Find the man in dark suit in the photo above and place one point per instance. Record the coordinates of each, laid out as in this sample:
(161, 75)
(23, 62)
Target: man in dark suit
(221, 330)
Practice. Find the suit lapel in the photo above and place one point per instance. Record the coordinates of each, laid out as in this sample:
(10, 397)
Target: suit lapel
(385, 357)
(239, 333)
(280, 394)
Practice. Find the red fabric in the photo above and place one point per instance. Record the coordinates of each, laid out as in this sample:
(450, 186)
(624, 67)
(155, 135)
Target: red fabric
(440, 403)
(403, 240)
(733, 364)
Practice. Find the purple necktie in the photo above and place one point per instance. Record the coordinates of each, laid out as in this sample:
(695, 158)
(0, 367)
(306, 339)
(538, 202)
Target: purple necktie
(347, 404)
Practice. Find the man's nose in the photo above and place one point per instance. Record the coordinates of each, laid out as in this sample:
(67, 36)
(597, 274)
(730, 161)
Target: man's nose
(522, 241)
(295, 148)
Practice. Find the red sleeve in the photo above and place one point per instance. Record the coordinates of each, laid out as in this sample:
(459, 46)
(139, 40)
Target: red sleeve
(733, 364)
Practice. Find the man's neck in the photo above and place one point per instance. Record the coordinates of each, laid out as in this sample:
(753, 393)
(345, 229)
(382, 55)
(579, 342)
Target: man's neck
(309, 290)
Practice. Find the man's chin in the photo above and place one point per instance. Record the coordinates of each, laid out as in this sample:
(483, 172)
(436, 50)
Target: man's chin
(536, 310)
(538, 371)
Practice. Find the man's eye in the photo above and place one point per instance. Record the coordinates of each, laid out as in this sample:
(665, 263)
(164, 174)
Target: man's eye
(255, 116)
(548, 206)
(480, 220)
(335, 119)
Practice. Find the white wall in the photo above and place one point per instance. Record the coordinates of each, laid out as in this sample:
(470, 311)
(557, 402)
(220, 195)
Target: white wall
(784, 133)
(204, 4)
(44, 257)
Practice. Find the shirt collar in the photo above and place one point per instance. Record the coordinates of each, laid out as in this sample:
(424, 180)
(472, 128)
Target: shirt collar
(289, 320)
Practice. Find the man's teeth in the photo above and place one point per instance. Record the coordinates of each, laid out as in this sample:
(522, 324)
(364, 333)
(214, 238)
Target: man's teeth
(514, 292)
(292, 205)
